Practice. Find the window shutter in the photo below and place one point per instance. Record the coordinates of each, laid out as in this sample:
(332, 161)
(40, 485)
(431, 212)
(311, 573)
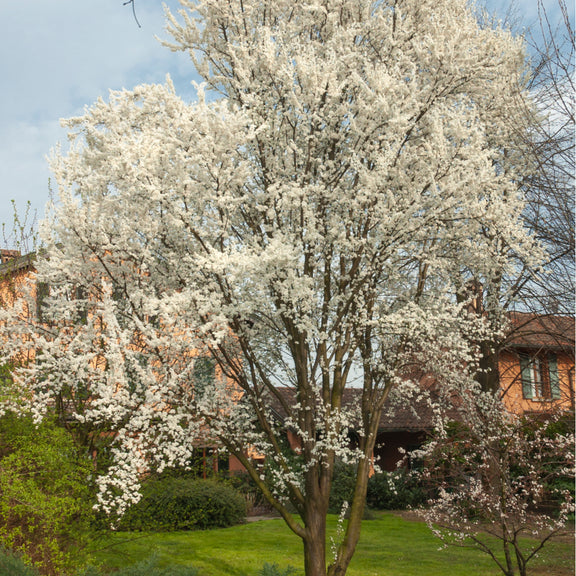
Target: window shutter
(526, 376)
(553, 373)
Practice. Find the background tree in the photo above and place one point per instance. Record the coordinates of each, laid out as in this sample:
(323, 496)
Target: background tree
(547, 131)
(502, 477)
(550, 189)
(22, 233)
(308, 230)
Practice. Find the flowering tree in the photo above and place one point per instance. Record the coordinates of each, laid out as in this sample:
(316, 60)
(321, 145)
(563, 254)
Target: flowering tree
(309, 226)
(505, 483)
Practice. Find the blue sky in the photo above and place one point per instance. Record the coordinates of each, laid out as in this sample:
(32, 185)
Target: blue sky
(58, 57)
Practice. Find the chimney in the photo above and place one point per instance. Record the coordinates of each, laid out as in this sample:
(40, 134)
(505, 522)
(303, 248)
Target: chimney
(7, 255)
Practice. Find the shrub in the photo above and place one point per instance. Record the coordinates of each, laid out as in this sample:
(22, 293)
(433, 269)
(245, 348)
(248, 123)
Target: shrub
(558, 486)
(185, 504)
(256, 502)
(343, 484)
(12, 565)
(45, 499)
(396, 490)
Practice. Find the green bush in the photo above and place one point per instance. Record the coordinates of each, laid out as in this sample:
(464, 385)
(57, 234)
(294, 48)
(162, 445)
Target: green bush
(12, 565)
(256, 502)
(185, 504)
(45, 496)
(558, 486)
(396, 490)
(343, 484)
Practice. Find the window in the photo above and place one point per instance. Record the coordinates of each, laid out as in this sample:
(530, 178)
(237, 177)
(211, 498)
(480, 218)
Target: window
(540, 376)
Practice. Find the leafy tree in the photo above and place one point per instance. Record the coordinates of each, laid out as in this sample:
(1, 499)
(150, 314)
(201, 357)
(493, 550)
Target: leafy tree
(505, 483)
(312, 222)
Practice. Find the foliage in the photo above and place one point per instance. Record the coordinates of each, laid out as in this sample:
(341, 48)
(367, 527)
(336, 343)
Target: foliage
(343, 483)
(22, 233)
(313, 220)
(502, 476)
(397, 490)
(180, 503)
(12, 565)
(6, 383)
(255, 500)
(45, 498)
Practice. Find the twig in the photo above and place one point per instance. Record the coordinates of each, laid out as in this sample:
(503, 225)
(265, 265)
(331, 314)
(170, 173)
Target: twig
(133, 11)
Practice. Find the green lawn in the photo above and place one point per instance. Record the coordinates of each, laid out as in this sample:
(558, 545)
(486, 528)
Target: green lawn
(390, 546)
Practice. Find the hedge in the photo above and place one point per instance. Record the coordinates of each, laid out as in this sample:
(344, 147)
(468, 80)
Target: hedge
(180, 503)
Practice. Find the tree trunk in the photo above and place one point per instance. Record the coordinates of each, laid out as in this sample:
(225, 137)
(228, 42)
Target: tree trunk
(315, 544)
(348, 545)
(488, 377)
(508, 556)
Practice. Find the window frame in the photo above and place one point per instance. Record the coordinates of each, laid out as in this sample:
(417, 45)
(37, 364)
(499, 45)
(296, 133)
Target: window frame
(539, 376)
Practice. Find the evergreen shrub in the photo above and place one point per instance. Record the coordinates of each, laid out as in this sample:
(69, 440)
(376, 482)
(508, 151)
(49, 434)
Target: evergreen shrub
(343, 484)
(45, 495)
(180, 503)
(396, 490)
(12, 565)
(256, 502)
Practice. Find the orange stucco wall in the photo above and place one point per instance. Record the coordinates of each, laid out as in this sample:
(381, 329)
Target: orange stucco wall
(511, 384)
(12, 285)
(13, 281)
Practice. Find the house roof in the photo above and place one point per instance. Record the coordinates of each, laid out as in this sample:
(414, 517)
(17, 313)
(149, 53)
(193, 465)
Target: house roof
(527, 330)
(416, 417)
(537, 331)
(16, 263)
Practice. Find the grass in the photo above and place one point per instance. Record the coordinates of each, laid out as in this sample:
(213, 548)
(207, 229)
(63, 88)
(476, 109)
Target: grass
(390, 546)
